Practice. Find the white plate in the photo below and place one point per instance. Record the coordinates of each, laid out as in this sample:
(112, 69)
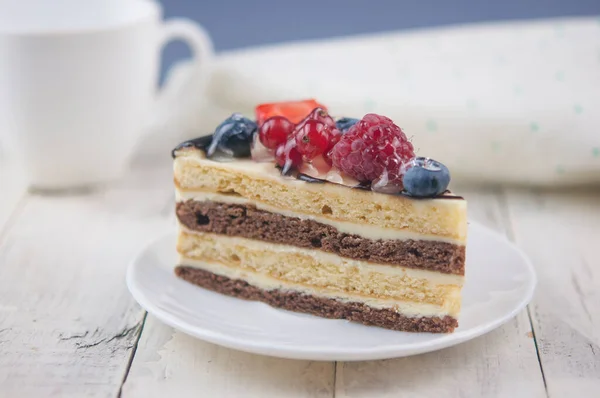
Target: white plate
(499, 283)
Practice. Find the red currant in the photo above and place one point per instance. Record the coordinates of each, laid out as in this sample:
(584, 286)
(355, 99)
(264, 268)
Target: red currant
(327, 158)
(321, 115)
(312, 138)
(334, 138)
(287, 156)
(275, 131)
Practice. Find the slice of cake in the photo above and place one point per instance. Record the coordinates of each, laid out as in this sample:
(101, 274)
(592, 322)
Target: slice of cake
(343, 223)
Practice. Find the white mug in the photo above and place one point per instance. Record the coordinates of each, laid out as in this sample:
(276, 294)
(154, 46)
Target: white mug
(77, 83)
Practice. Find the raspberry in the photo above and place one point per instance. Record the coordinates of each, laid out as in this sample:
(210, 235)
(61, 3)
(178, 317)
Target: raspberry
(287, 156)
(371, 148)
(275, 131)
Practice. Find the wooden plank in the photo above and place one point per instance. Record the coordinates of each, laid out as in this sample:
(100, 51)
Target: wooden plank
(501, 363)
(560, 232)
(68, 325)
(169, 363)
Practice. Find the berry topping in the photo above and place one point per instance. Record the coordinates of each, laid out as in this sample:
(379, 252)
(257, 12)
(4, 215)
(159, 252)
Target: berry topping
(371, 147)
(233, 137)
(425, 177)
(287, 156)
(313, 138)
(294, 111)
(321, 115)
(345, 123)
(275, 131)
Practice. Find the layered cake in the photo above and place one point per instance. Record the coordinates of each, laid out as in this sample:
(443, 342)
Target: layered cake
(335, 218)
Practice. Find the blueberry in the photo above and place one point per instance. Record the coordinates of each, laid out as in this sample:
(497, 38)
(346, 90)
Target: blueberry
(345, 123)
(233, 137)
(426, 178)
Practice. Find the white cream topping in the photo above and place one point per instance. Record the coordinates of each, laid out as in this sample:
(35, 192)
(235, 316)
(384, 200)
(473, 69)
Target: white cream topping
(431, 277)
(363, 230)
(408, 308)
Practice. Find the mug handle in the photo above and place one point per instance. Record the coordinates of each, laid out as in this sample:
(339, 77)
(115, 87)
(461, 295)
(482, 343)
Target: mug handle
(202, 49)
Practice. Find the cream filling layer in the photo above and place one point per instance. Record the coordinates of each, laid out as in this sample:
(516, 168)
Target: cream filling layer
(407, 308)
(263, 183)
(320, 270)
(363, 230)
(321, 257)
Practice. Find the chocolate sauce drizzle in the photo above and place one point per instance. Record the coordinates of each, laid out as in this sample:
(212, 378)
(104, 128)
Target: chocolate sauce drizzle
(365, 186)
(447, 194)
(310, 179)
(444, 195)
(201, 143)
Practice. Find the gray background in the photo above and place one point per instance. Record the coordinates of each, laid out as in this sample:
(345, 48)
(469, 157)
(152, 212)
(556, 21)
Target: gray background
(239, 23)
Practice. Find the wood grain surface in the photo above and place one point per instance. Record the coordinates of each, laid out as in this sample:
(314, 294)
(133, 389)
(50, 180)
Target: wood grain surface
(69, 328)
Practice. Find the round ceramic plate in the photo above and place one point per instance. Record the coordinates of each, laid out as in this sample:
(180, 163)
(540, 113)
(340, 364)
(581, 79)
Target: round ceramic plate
(499, 283)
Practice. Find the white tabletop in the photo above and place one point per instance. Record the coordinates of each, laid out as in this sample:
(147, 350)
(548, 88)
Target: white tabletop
(69, 328)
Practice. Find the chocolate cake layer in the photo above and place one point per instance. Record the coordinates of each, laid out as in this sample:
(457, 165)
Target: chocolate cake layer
(320, 306)
(249, 222)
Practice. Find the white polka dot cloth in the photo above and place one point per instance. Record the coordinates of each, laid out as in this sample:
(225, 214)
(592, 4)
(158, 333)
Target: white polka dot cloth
(499, 103)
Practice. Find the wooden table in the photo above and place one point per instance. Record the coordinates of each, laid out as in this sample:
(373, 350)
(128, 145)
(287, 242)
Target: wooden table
(69, 327)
